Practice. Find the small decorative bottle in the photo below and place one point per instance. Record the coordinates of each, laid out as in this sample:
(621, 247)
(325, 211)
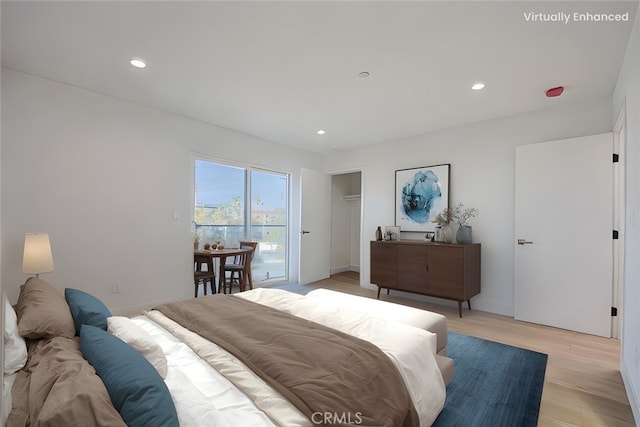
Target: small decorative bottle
(439, 235)
(379, 234)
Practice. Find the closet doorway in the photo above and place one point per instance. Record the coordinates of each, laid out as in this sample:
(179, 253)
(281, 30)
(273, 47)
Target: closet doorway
(346, 219)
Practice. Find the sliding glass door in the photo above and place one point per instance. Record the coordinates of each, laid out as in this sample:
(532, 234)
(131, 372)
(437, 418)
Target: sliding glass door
(235, 204)
(268, 222)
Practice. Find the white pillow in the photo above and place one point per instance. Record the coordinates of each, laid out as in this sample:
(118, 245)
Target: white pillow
(136, 337)
(15, 348)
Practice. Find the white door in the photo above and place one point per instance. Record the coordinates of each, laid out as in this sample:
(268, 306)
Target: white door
(315, 226)
(563, 228)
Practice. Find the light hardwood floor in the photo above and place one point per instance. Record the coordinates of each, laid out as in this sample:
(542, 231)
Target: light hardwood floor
(582, 386)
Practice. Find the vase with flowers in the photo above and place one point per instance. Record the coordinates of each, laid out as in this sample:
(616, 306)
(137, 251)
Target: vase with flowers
(444, 232)
(196, 241)
(462, 215)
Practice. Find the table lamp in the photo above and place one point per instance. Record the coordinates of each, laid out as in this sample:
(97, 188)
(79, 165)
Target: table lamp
(37, 256)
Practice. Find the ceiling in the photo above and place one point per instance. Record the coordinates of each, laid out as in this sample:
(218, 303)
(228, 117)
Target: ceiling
(283, 70)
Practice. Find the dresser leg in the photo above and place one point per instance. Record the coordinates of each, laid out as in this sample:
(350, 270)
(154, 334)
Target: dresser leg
(469, 304)
(460, 309)
(378, 297)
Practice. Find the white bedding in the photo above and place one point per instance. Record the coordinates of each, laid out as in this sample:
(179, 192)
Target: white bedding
(232, 395)
(203, 397)
(422, 319)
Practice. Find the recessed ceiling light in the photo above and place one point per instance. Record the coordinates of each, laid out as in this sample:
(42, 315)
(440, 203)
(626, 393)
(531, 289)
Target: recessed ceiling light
(137, 62)
(321, 132)
(478, 86)
(364, 74)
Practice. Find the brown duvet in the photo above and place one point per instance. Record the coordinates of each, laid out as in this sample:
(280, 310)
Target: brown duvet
(331, 377)
(58, 387)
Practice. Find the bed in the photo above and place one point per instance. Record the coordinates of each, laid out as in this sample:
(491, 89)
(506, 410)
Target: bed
(264, 357)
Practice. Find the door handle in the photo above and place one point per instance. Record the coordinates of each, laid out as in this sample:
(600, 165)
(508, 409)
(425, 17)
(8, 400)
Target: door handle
(524, 242)
(305, 232)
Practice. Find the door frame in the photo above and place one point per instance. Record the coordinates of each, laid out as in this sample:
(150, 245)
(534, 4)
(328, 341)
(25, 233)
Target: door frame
(619, 218)
(361, 170)
(331, 174)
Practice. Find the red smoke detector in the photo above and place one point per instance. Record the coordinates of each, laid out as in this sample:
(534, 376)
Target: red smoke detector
(555, 91)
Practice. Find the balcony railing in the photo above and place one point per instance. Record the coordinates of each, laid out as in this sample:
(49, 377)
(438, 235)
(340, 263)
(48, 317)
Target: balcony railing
(269, 260)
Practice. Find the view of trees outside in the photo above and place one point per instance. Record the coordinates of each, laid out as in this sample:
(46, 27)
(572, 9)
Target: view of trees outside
(220, 213)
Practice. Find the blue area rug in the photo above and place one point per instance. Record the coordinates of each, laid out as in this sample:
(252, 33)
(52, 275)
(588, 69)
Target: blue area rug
(294, 287)
(493, 384)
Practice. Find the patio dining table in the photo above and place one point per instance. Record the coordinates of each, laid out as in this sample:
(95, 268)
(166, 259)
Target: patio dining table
(222, 255)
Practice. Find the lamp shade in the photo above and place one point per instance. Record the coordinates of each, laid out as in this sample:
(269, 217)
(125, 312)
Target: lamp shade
(37, 256)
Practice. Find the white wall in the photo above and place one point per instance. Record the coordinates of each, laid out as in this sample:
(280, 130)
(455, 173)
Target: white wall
(104, 178)
(627, 93)
(482, 175)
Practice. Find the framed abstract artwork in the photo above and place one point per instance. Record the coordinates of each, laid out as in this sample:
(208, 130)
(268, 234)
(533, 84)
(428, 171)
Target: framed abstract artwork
(421, 193)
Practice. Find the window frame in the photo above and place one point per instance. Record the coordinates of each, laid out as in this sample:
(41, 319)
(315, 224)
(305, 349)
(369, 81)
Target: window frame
(248, 225)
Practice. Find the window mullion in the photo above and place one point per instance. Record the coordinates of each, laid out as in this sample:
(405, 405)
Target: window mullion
(247, 204)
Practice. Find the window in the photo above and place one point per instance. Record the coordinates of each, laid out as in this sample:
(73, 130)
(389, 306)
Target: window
(233, 204)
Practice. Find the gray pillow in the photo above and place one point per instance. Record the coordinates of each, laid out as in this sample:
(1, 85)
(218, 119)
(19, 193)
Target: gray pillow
(43, 312)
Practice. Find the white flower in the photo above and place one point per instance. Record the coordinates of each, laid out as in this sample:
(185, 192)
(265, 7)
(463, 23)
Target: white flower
(461, 215)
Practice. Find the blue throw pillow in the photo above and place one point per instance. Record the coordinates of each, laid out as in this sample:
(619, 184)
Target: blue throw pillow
(136, 389)
(86, 309)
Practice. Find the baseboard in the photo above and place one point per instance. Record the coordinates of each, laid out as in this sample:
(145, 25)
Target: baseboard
(344, 269)
(336, 270)
(137, 310)
(632, 395)
(368, 286)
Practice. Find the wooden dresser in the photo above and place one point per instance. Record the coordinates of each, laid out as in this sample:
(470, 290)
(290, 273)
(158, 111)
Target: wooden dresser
(435, 269)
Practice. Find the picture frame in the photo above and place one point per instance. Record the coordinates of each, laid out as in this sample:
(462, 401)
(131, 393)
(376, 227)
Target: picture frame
(391, 232)
(421, 193)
